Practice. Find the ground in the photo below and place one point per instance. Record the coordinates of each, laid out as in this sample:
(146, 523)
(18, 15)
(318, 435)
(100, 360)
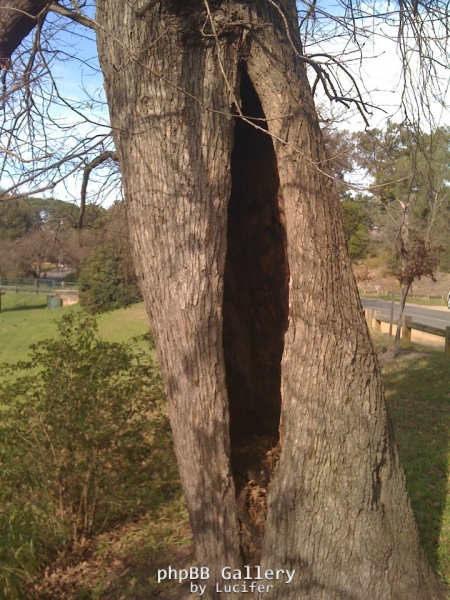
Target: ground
(122, 564)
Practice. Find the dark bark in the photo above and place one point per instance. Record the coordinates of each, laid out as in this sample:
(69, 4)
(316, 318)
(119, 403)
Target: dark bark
(17, 19)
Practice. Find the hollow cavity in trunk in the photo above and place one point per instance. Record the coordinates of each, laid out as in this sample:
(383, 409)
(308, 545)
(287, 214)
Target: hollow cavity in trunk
(255, 313)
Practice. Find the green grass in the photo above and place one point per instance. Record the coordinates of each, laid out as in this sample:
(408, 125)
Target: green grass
(418, 395)
(25, 320)
(417, 388)
(122, 324)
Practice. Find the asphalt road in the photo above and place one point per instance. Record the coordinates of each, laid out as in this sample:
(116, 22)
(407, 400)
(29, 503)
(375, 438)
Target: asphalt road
(419, 314)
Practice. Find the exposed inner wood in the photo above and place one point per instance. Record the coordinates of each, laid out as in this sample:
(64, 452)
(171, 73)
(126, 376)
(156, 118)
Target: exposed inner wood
(255, 313)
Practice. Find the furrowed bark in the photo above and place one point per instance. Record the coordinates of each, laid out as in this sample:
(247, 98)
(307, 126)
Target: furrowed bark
(338, 510)
(175, 160)
(213, 214)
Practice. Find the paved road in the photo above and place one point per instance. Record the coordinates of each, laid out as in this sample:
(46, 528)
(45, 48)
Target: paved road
(419, 314)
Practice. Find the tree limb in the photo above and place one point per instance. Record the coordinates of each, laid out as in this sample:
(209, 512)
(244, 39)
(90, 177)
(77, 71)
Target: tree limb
(101, 158)
(71, 14)
(147, 6)
(17, 19)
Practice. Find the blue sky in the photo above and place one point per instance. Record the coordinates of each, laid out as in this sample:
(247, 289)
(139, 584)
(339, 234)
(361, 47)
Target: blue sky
(77, 75)
(379, 72)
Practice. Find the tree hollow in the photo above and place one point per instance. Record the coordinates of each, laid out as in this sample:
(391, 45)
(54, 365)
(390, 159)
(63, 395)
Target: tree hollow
(255, 309)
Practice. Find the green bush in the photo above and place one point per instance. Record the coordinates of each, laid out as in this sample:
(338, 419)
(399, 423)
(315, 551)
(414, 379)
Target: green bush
(84, 436)
(108, 281)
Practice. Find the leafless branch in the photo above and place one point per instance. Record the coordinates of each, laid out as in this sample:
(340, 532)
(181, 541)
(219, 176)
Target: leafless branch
(74, 16)
(86, 173)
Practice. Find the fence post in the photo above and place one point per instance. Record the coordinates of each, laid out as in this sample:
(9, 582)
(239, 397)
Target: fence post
(368, 313)
(406, 329)
(377, 321)
(447, 342)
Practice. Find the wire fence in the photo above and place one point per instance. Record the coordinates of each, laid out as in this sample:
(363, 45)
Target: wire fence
(41, 285)
(439, 299)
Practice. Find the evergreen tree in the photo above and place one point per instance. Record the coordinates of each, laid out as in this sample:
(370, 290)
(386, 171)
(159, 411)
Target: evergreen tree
(108, 281)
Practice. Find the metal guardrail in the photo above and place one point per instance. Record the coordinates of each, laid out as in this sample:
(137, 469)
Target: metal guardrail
(375, 318)
(41, 285)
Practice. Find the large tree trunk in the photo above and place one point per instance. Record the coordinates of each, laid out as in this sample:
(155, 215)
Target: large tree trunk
(254, 308)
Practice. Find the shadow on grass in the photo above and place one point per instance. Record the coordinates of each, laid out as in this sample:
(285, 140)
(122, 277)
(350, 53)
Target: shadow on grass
(418, 396)
(23, 307)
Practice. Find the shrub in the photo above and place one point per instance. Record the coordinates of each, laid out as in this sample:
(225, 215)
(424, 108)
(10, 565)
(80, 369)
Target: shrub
(84, 436)
(108, 281)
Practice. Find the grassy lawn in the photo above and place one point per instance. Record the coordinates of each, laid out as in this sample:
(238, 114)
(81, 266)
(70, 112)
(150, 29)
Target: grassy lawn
(417, 388)
(418, 396)
(25, 320)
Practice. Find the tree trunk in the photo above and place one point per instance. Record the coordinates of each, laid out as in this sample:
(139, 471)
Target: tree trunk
(405, 292)
(404, 251)
(261, 339)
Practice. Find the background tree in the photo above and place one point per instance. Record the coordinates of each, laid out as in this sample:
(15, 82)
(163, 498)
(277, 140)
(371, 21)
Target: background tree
(411, 199)
(356, 225)
(16, 218)
(34, 229)
(418, 260)
(237, 229)
(410, 174)
(108, 280)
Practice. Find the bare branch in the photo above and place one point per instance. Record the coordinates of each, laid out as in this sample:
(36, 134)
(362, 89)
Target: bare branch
(86, 173)
(71, 14)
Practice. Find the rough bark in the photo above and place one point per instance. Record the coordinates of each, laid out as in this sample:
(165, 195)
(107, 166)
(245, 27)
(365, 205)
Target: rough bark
(175, 158)
(338, 507)
(242, 258)
(17, 19)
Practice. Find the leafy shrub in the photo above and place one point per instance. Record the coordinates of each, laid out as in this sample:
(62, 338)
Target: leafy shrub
(108, 281)
(84, 436)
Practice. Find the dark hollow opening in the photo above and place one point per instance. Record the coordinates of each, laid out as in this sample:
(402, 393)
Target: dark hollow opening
(256, 284)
